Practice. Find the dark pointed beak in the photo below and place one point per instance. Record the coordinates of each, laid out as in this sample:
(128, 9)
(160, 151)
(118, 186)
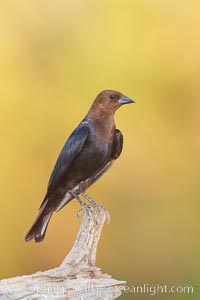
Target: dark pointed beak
(125, 100)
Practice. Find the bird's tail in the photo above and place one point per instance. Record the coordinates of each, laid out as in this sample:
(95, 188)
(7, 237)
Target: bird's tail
(38, 229)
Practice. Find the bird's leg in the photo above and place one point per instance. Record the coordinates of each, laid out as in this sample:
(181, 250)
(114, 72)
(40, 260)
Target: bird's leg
(89, 199)
(83, 204)
(97, 206)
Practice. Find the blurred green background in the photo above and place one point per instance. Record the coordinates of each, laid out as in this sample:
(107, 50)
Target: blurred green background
(55, 56)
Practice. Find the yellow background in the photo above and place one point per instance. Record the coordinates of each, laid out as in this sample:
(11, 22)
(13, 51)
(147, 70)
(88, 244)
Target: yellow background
(55, 56)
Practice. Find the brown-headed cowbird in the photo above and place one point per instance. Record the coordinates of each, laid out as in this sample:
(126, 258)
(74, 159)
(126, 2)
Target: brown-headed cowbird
(87, 154)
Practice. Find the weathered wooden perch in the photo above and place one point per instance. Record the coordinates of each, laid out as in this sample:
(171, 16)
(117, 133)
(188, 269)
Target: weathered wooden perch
(77, 277)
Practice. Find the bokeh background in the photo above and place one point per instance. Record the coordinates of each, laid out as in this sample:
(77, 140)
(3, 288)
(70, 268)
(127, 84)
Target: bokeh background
(55, 56)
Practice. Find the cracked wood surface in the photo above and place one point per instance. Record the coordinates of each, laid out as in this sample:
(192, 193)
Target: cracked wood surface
(77, 277)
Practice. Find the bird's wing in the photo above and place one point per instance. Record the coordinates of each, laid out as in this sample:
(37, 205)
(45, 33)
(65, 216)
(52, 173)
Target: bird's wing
(118, 144)
(116, 151)
(70, 150)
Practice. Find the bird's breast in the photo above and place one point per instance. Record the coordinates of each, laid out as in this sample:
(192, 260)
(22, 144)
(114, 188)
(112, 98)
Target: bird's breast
(96, 151)
(94, 155)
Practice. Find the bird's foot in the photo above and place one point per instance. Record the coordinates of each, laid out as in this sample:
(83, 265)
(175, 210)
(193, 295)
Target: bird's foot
(97, 206)
(90, 210)
(79, 212)
(84, 207)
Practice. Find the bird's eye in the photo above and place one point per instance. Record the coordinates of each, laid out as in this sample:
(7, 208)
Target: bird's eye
(112, 97)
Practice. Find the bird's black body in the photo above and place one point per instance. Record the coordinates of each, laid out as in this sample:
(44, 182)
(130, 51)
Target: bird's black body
(87, 154)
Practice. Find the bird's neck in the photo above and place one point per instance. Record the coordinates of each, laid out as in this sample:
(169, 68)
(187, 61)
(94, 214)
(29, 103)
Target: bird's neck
(102, 120)
(107, 119)
(103, 127)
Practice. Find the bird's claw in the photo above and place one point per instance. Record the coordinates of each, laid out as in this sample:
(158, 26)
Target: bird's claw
(79, 212)
(88, 210)
(84, 208)
(91, 210)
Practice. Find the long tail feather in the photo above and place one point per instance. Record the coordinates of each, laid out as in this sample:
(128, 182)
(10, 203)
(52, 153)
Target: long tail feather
(38, 229)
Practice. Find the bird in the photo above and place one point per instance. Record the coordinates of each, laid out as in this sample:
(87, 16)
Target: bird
(87, 154)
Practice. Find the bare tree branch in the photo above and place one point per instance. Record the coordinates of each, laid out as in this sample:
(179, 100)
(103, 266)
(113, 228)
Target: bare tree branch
(77, 277)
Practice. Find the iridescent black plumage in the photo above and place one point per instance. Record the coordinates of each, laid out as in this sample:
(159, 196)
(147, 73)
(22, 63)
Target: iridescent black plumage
(87, 154)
